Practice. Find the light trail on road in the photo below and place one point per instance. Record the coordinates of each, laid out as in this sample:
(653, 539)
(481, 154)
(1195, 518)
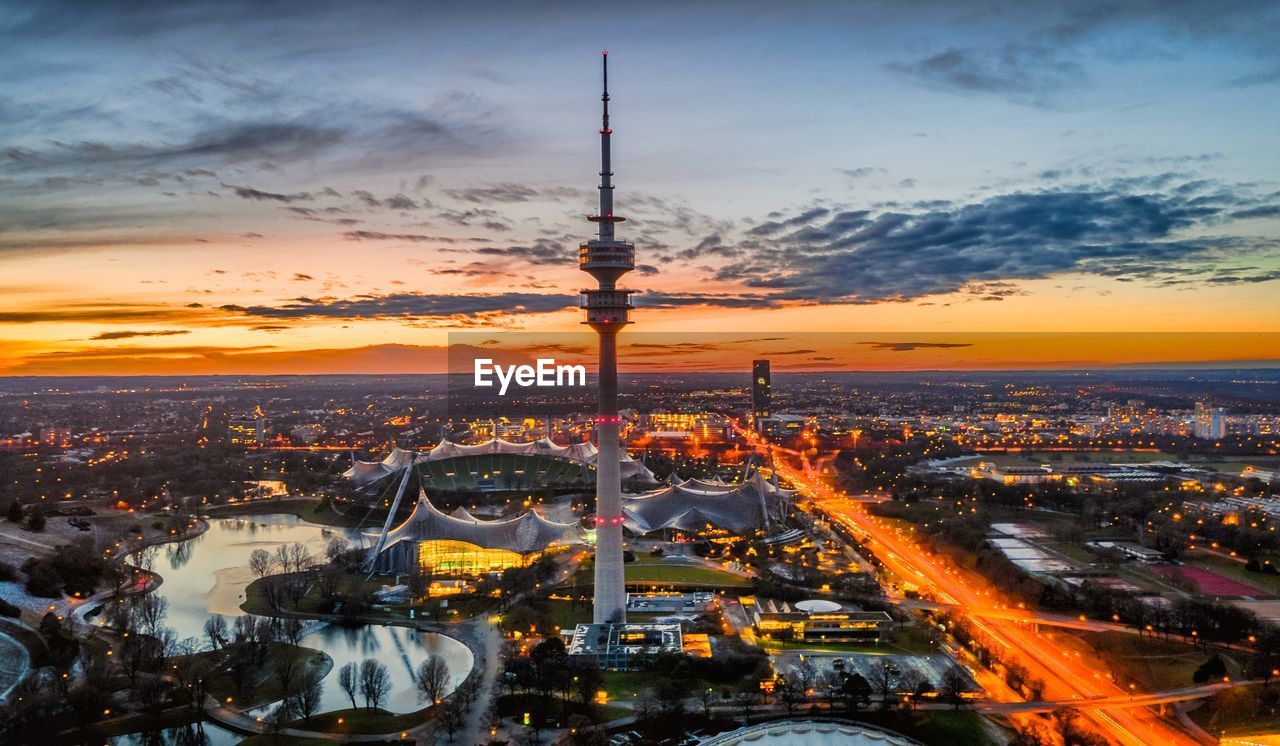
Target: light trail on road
(1066, 675)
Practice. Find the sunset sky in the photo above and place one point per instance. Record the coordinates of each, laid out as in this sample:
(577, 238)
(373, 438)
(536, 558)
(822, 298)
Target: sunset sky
(256, 187)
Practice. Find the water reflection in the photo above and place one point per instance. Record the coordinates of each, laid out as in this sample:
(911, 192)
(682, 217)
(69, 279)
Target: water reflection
(209, 573)
(401, 650)
(194, 734)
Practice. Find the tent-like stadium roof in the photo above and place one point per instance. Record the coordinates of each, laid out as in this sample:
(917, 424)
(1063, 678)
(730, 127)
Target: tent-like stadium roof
(528, 532)
(584, 453)
(692, 504)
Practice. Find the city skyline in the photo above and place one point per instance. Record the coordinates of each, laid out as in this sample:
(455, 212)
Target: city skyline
(339, 199)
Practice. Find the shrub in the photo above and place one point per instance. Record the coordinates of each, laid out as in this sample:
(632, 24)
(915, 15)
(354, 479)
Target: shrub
(42, 579)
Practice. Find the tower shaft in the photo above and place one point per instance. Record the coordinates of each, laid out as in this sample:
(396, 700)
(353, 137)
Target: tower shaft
(608, 310)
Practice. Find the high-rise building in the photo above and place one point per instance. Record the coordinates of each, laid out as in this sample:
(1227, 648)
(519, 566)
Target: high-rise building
(1210, 422)
(608, 310)
(247, 430)
(761, 394)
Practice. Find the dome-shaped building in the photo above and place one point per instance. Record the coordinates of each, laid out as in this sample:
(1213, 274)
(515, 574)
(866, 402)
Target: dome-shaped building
(810, 732)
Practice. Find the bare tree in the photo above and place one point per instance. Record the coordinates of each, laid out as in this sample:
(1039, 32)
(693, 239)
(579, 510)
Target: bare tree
(882, 678)
(805, 675)
(150, 611)
(215, 630)
(451, 719)
(288, 666)
(281, 557)
(274, 588)
(283, 713)
(310, 693)
(954, 685)
(707, 696)
(375, 683)
(433, 678)
(291, 630)
(914, 684)
(349, 681)
(337, 547)
(260, 563)
(791, 694)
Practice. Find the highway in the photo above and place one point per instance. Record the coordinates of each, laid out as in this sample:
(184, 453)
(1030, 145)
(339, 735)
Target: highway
(1067, 675)
(1117, 701)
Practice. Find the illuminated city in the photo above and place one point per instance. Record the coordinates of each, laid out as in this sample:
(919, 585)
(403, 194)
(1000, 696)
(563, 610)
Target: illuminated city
(941, 405)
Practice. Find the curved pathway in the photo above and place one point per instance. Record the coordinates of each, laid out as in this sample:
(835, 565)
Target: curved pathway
(15, 663)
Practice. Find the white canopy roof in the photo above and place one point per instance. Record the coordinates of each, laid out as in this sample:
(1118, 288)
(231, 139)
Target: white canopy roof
(528, 532)
(585, 453)
(694, 503)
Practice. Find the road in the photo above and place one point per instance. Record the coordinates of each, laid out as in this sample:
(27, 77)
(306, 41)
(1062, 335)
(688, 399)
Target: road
(1114, 702)
(1067, 676)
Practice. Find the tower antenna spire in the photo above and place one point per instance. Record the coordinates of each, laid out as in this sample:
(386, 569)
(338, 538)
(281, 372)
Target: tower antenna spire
(605, 218)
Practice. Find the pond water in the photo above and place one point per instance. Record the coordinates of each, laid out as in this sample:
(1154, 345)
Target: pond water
(14, 662)
(195, 734)
(208, 575)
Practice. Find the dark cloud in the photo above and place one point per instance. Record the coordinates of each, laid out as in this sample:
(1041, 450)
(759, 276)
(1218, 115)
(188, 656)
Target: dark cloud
(261, 196)
(273, 141)
(394, 202)
(909, 346)
(479, 216)
(1263, 211)
(1025, 71)
(108, 313)
(861, 172)
(1119, 230)
(1037, 50)
(131, 334)
(494, 193)
(409, 306)
(410, 237)
(664, 300)
(539, 252)
(508, 192)
(773, 227)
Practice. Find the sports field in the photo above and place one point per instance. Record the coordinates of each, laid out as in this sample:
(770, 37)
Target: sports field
(1211, 583)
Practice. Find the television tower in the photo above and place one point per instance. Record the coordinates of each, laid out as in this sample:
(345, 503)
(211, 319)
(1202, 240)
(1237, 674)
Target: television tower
(606, 259)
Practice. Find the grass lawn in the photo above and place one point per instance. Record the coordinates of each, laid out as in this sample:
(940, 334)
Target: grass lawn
(567, 616)
(628, 685)
(363, 720)
(264, 685)
(1153, 664)
(910, 640)
(642, 571)
(1243, 711)
(306, 508)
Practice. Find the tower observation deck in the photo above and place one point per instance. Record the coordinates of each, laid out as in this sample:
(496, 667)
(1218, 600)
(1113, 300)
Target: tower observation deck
(608, 309)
